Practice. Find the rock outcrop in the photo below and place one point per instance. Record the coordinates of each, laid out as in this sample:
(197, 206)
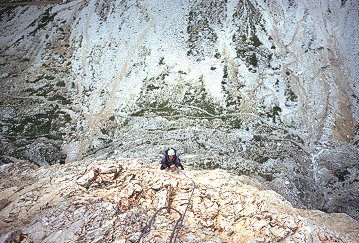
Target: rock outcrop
(112, 201)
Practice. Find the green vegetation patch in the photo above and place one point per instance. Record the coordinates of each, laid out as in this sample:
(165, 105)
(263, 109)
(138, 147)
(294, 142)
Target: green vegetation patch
(163, 109)
(44, 124)
(290, 95)
(342, 175)
(252, 59)
(63, 100)
(45, 18)
(233, 122)
(275, 113)
(255, 41)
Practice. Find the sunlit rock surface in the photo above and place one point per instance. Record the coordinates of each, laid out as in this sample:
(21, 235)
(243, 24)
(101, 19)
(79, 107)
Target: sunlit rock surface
(267, 89)
(112, 201)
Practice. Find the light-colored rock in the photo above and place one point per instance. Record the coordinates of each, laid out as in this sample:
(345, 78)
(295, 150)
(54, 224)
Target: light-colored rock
(108, 209)
(87, 178)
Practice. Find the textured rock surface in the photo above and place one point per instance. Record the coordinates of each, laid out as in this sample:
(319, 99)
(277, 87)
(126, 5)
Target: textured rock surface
(111, 201)
(263, 88)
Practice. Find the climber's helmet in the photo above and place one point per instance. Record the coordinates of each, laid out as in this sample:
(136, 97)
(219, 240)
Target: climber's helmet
(171, 152)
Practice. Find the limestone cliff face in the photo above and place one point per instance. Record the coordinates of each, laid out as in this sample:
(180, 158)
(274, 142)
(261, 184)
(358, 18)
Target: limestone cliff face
(112, 201)
(264, 88)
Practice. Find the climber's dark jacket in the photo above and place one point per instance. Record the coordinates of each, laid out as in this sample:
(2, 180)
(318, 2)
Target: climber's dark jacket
(166, 162)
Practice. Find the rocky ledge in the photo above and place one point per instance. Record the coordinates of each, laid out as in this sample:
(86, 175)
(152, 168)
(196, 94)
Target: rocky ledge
(113, 200)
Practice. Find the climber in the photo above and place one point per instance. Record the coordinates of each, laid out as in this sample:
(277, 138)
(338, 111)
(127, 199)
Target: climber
(62, 159)
(170, 160)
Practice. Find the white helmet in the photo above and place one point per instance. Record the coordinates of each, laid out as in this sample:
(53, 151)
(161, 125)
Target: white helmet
(171, 152)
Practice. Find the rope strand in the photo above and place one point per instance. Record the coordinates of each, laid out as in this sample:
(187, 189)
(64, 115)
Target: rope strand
(179, 223)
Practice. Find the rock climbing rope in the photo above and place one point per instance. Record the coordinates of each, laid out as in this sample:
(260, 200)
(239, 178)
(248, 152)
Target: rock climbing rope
(179, 223)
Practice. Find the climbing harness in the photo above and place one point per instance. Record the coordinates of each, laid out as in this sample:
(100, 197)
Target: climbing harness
(179, 223)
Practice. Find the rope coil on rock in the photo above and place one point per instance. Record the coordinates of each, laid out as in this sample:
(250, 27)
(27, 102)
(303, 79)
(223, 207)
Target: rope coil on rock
(179, 223)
